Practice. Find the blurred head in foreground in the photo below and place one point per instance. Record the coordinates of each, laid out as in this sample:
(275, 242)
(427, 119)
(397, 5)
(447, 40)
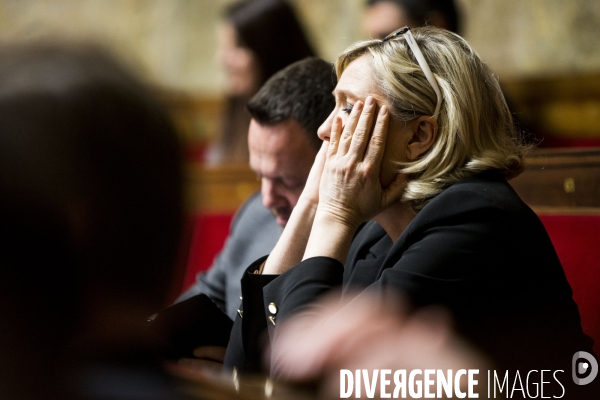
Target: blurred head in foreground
(90, 204)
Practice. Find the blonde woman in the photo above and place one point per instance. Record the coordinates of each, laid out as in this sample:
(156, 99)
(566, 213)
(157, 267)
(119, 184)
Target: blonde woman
(421, 143)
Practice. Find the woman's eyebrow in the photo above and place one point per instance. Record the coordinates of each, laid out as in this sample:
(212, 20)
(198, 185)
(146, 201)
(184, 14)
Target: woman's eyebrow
(339, 93)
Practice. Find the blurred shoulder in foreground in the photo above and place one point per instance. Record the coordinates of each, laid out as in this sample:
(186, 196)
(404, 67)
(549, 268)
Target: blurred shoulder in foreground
(91, 211)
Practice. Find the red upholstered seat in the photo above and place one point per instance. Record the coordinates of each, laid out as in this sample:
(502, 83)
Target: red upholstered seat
(209, 232)
(576, 239)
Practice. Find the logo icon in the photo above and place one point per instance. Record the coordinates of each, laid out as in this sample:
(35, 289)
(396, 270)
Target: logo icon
(580, 368)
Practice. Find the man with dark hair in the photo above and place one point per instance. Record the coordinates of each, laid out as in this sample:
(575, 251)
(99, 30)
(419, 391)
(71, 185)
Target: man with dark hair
(283, 142)
(385, 16)
(282, 139)
(301, 93)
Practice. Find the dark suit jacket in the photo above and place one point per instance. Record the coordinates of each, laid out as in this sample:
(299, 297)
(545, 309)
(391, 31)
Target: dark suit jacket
(476, 249)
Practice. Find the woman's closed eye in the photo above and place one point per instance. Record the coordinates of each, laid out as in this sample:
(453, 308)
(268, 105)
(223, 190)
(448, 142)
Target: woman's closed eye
(348, 108)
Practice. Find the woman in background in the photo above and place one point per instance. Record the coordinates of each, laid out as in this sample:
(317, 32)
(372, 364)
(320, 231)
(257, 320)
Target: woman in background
(256, 39)
(383, 16)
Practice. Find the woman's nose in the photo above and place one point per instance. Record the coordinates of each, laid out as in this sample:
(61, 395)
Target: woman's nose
(324, 130)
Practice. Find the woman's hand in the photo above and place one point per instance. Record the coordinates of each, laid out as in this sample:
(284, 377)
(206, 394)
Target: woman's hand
(350, 190)
(206, 358)
(310, 193)
(292, 244)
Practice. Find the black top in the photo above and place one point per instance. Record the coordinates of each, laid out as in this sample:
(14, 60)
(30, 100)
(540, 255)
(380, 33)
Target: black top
(476, 249)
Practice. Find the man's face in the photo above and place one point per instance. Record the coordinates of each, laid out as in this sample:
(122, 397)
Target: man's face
(281, 155)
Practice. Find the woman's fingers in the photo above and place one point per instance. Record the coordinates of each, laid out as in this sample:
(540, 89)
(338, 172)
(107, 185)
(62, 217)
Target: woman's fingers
(214, 353)
(311, 189)
(360, 138)
(349, 128)
(374, 157)
(321, 157)
(317, 168)
(376, 144)
(334, 136)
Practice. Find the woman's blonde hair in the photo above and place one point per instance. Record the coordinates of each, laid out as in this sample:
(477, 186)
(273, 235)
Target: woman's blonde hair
(476, 130)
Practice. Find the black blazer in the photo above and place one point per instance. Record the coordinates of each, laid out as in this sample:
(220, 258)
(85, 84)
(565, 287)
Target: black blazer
(476, 249)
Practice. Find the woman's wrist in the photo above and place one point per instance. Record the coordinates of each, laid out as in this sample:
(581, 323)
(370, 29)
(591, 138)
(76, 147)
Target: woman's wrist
(292, 244)
(332, 215)
(330, 236)
(308, 204)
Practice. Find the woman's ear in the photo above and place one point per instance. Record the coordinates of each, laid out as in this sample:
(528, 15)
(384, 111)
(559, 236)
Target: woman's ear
(424, 132)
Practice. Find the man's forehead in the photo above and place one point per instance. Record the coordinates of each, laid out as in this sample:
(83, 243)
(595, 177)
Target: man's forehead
(278, 136)
(281, 164)
(280, 149)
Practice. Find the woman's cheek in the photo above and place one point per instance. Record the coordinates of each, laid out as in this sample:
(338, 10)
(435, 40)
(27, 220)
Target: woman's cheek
(389, 168)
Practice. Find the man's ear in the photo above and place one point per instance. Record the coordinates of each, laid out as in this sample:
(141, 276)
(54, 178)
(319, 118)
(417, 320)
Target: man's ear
(424, 132)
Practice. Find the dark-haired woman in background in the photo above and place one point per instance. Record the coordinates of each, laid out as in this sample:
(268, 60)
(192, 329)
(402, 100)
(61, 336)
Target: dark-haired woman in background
(256, 39)
(383, 16)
